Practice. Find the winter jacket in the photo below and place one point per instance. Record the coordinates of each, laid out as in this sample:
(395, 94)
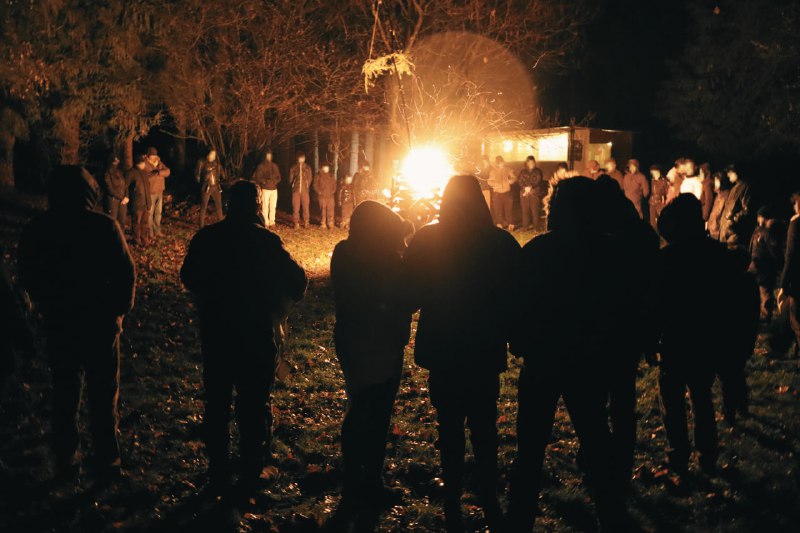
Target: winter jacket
(737, 218)
(209, 174)
(707, 197)
(637, 190)
(267, 175)
(766, 255)
(658, 191)
(500, 179)
(139, 194)
(790, 277)
(692, 185)
(116, 183)
(364, 185)
(74, 262)
(157, 174)
(716, 213)
(532, 179)
(300, 178)
(324, 185)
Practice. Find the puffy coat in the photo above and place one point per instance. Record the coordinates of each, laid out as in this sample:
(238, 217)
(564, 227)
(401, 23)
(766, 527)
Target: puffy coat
(324, 185)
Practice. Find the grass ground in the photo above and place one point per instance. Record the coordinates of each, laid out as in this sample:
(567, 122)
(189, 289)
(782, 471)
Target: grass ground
(758, 488)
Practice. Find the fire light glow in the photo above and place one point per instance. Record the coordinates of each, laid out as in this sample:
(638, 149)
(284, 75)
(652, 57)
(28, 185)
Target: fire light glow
(426, 170)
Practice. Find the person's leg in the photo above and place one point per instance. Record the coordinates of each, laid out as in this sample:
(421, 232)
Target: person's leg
(508, 209)
(137, 226)
(159, 207)
(254, 418)
(204, 196)
(536, 212)
(112, 208)
(102, 383)
(273, 206)
(622, 410)
(122, 216)
(67, 384)
(217, 194)
(347, 212)
(151, 215)
(218, 384)
(672, 395)
(296, 208)
(487, 195)
(482, 422)
(537, 402)
(354, 426)
(323, 212)
(265, 206)
(525, 205)
(705, 424)
(306, 199)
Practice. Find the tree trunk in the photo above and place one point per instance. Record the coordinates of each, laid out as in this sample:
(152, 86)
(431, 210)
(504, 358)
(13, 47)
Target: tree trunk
(316, 150)
(180, 147)
(7, 142)
(127, 152)
(369, 148)
(354, 152)
(336, 144)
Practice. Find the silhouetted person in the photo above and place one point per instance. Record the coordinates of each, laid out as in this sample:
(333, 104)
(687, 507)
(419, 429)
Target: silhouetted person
(139, 186)
(463, 272)
(636, 187)
(737, 219)
(325, 187)
(17, 335)
(365, 184)
(241, 276)
(116, 188)
(566, 272)
(75, 265)
(722, 188)
(790, 277)
(209, 175)
(373, 322)
(688, 335)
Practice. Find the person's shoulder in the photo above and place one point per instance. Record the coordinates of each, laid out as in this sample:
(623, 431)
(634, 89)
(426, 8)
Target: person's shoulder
(542, 241)
(504, 238)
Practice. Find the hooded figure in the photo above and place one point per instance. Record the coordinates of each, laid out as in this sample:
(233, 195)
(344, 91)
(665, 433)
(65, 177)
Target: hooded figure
(462, 273)
(373, 323)
(570, 271)
(241, 277)
(75, 265)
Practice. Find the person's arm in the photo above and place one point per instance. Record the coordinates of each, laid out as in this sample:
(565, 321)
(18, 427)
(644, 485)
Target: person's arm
(122, 273)
(294, 280)
(645, 186)
(790, 263)
(278, 177)
(163, 170)
(192, 273)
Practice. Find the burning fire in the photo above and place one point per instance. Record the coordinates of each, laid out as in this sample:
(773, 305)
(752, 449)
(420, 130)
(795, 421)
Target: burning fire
(426, 171)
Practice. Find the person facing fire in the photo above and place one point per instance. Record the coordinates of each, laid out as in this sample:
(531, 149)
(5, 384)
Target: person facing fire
(364, 183)
(141, 200)
(300, 179)
(593, 170)
(614, 172)
(325, 188)
(77, 269)
(501, 177)
(267, 176)
(209, 175)
(737, 219)
(659, 187)
(242, 278)
(636, 187)
(462, 272)
(373, 325)
(767, 248)
(158, 172)
(692, 183)
(530, 194)
(346, 198)
(116, 188)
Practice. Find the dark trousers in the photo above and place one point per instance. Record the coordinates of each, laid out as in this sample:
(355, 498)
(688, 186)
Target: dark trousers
(734, 390)
(502, 208)
(364, 431)
(622, 411)
(585, 397)
(141, 227)
(215, 193)
(252, 381)
(91, 357)
(117, 211)
(471, 401)
(531, 211)
(301, 199)
(767, 297)
(672, 384)
(326, 208)
(655, 212)
(347, 212)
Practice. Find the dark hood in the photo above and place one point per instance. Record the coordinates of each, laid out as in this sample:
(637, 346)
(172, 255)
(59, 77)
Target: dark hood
(72, 188)
(464, 205)
(374, 224)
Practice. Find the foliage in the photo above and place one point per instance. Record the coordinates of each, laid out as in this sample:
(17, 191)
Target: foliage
(397, 62)
(736, 88)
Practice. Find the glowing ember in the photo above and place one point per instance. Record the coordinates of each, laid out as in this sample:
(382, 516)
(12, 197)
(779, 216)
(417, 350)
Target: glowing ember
(426, 171)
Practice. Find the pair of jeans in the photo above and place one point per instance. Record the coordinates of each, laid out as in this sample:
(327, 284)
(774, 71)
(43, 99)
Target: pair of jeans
(269, 203)
(215, 193)
(154, 215)
(531, 211)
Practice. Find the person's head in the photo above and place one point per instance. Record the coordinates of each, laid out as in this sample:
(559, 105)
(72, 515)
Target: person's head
(325, 168)
(212, 155)
(375, 226)
(244, 200)
(733, 176)
(71, 188)
(301, 157)
(569, 204)
(365, 166)
(763, 215)
(348, 179)
(530, 162)
(268, 155)
(593, 166)
(682, 219)
(561, 170)
(499, 161)
(655, 171)
(705, 171)
(633, 166)
(611, 165)
(687, 169)
(152, 156)
(463, 204)
(721, 182)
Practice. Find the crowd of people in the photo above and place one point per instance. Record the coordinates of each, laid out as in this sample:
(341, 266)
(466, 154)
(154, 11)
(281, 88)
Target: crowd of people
(581, 305)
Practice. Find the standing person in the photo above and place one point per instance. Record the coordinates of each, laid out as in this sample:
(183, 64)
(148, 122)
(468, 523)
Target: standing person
(636, 187)
(501, 178)
(614, 172)
(116, 199)
(689, 336)
(141, 200)
(209, 175)
(77, 269)
(158, 172)
(691, 182)
(373, 325)
(675, 178)
(565, 358)
(707, 188)
(593, 170)
(722, 188)
(530, 194)
(300, 178)
(346, 197)
(462, 273)
(737, 220)
(241, 277)
(267, 176)
(364, 183)
(325, 187)
(767, 248)
(659, 186)
(789, 293)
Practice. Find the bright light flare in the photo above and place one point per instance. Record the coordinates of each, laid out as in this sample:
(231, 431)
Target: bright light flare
(426, 170)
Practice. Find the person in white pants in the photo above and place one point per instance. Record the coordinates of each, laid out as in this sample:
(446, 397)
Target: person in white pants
(267, 176)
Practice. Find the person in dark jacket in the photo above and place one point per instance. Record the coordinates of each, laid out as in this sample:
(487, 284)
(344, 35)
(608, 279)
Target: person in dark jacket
(77, 269)
(530, 194)
(566, 358)
(241, 277)
(462, 273)
(737, 220)
(707, 195)
(687, 334)
(722, 188)
(325, 187)
(373, 324)
(116, 188)
(364, 183)
(612, 170)
(300, 179)
(767, 248)
(636, 187)
(139, 180)
(789, 293)
(267, 175)
(158, 172)
(209, 175)
(659, 187)
(346, 198)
